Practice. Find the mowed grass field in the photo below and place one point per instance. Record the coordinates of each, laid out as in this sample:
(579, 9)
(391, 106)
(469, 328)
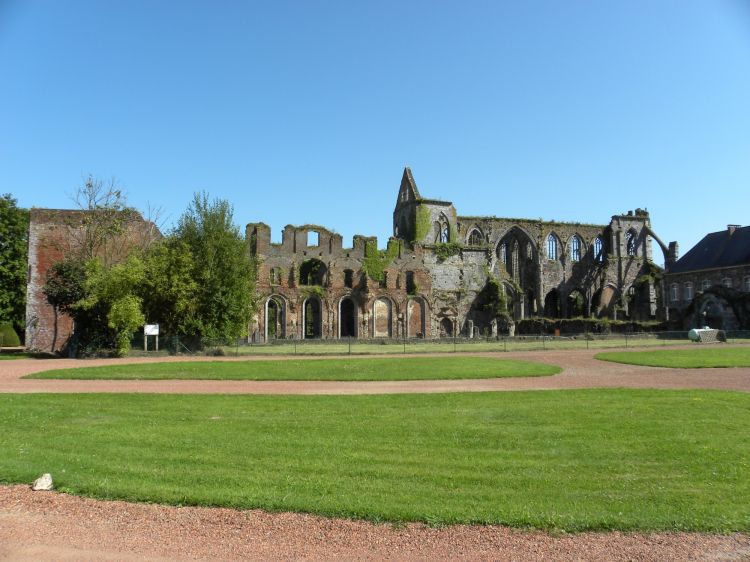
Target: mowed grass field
(357, 369)
(570, 460)
(703, 357)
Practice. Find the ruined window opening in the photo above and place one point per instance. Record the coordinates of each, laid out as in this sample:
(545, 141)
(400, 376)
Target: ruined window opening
(348, 318)
(384, 280)
(575, 249)
(502, 253)
(444, 233)
(631, 245)
(598, 250)
(275, 320)
(674, 292)
(529, 251)
(411, 286)
(312, 272)
(313, 319)
(551, 247)
(313, 239)
(348, 278)
(688, 291)
(475, 238)
(514, 265)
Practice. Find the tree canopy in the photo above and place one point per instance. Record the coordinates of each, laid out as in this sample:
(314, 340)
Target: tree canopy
(14, 226)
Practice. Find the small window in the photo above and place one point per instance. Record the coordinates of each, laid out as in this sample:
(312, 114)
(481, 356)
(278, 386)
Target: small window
(444, 233)
(727, 282)
(384, 280)
(348, 278)
(688, 293)
(529, 251)
(411, 286)
(674, 291)
(575, 249)
(746, 284)
(705, 284)
(631, 244)
(313, 239)
(551, 247)
(514, 268)
(502, 253)
(475, 238)
(598, 250)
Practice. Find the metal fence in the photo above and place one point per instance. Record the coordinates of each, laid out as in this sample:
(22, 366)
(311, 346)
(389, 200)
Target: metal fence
(380, 346)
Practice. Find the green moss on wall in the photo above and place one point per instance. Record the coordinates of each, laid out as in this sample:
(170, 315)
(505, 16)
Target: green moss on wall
(376, 261)
(422, 223)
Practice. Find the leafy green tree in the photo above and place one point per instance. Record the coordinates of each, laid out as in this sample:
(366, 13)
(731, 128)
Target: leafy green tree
(168, 290)
(14, 226)
(223, 272)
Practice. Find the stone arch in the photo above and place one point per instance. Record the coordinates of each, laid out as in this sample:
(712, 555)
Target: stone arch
(446, 328)
(512, 248)
(382, 314)
(312, 318)
(347, 314)
(552, 304)
(576, 248)
(608, 299)
(442, 230)
(475, 237)
(275, 318)
(575, 304)
(599, 250)
(312, 272)
(553, 247)
(415, 317)
(631, 242)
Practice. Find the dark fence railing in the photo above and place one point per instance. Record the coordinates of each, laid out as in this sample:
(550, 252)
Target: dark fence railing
(236, 347)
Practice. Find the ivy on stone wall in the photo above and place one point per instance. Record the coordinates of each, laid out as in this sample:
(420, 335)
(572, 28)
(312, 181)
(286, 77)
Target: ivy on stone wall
(376, 261)
(308, 291)
(422, 223)
(444, 250)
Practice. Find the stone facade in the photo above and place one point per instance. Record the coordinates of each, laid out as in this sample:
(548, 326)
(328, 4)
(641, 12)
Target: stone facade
(55, 234)
(430, 279)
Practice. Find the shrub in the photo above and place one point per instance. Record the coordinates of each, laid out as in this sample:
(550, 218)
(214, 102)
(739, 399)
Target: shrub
(8, 336)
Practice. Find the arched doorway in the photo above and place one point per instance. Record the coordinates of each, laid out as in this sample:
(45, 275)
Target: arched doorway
(576, 304)
(552, 304)
(347, 318)
(415, 318)
(382, 318)
(312, 321)
(446, 328)
(275, 319)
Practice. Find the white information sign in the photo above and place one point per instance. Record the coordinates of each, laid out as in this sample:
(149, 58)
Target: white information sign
(151, 330)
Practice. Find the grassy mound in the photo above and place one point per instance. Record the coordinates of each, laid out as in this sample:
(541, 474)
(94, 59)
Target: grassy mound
(364, 369)
(702, 357)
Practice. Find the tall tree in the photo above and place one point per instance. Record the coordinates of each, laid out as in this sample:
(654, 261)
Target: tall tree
(223, 271)
(14, 227)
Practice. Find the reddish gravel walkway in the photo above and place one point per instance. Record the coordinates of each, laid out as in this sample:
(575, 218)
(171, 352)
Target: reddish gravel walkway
(51, 526)
(580, 370)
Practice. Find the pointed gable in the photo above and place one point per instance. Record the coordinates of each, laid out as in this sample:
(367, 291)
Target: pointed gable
(408, 191)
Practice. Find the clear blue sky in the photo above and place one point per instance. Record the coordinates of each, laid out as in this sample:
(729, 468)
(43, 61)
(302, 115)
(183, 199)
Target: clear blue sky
(307, 111)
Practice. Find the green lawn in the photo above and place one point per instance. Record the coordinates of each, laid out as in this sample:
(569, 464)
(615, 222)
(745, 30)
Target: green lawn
(4, 356)
(356, 369)
(683, 358)
(572, 460)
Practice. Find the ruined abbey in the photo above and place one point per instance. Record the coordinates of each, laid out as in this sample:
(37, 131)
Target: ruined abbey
(436, 276)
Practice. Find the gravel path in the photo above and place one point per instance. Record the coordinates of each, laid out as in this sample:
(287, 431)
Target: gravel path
(580, 370)
(49, 526)
(52, 526)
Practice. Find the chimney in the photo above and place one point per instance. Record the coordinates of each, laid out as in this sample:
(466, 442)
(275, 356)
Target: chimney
(732, 227)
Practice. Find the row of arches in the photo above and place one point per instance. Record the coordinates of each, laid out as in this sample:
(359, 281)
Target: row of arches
(351, 321)
(576, 246)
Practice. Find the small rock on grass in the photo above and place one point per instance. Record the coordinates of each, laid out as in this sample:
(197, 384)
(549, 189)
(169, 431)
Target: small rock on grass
(44, 482)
